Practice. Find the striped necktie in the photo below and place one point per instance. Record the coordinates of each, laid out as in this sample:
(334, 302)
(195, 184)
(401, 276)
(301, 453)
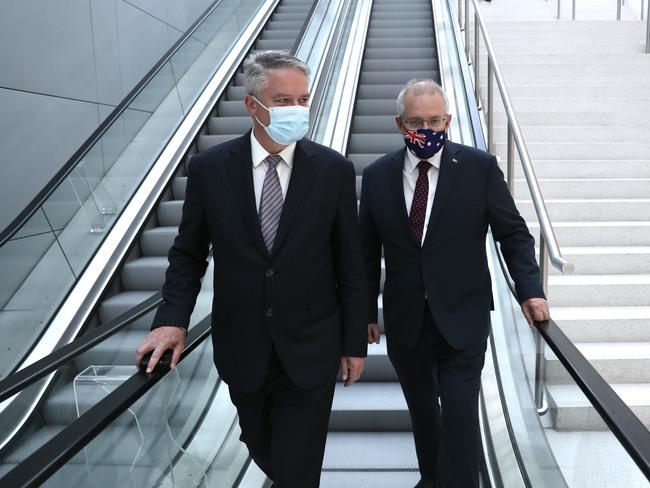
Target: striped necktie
(271, 202)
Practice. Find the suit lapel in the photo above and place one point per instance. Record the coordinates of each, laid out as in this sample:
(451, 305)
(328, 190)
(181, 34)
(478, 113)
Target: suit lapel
(449, 165)
(303, 177)
(240, 170)
(396, 184)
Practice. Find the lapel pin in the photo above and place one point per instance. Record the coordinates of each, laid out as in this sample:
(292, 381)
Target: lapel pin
(455, 160)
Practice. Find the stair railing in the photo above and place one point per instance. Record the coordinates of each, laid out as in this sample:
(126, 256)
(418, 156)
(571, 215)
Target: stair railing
(549, 250)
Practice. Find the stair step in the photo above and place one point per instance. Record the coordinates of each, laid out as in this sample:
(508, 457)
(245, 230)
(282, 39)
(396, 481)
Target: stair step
(372, 451)
(607, 260)
(635, 209)
(369, 407)
(604, 168)
(604, 324)
(145, 273)
(369, 479)
(123, 302)
(616, 362)
(605, 233)
(599, 290)
(158, 241)
(572, 411)
(170, 213)
(588, 187)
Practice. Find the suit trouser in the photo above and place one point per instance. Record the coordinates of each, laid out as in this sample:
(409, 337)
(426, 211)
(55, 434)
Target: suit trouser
(285, 427)
(446, 432)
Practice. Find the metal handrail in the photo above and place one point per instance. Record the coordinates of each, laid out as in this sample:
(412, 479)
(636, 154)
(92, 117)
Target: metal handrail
(515, 136)
(549, 249)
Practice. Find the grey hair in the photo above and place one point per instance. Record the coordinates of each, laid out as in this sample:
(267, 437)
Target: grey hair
(420, 87)
(259, 63)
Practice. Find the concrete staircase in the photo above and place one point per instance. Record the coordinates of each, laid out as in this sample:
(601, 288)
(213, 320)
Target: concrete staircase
(581, 91)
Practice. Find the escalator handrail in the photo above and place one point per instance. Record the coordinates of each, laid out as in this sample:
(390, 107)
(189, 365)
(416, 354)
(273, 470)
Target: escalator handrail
(624, 424)
(50, 457)
(49, 188)
(25, 377)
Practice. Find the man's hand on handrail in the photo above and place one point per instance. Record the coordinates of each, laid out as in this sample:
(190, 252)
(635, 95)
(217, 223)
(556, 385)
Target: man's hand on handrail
(158, 341)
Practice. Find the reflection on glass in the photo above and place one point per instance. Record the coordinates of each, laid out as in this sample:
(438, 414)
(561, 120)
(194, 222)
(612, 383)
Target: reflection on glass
(183, 432)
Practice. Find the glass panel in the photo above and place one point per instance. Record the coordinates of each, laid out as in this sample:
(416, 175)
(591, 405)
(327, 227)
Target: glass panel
(27, 300)
(569, 444)
(183, 432)
(40, 263)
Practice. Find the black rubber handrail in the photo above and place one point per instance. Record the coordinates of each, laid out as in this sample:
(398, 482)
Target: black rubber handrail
(31, 374)
(624, 424)
(38, 201)
(49, 458)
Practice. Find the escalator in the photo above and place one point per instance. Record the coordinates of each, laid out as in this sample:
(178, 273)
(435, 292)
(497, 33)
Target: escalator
(371, 420)
(179, 428)
(142, 274)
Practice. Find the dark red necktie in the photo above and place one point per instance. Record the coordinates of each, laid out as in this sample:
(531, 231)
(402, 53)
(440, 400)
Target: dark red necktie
(420, 199)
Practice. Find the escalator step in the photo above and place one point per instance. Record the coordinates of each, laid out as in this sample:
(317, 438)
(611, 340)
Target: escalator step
(144, 273)
(230, 125)
(393, 77)
(157, 241)
(170, 212)
(207, 141)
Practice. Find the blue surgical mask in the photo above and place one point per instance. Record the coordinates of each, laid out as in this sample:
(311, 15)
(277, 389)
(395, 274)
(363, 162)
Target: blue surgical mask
(288, 123)
(424, 143)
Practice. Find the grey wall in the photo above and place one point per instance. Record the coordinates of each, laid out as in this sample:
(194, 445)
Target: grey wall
(64, 65)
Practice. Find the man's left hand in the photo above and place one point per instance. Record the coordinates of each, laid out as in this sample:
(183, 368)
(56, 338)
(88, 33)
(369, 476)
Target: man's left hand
(351, 369)
(535, 310)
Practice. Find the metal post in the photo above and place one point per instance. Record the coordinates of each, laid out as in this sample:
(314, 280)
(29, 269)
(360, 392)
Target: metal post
(559, 9)
(467, 30)
(540, 359)
(460, 14)
(540, 373)
(490, 107)
(511, 160)
(477, 52)
(618, 10)
(573, 11)
(647, 34)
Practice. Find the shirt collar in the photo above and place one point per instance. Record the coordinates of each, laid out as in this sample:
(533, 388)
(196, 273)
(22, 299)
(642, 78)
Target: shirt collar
(411, 161)
(259, 154)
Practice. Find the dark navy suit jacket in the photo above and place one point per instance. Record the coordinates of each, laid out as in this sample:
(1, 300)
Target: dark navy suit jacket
(307, 296)
(451, 266)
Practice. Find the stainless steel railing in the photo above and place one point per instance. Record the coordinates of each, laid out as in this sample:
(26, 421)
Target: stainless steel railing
(549, 249)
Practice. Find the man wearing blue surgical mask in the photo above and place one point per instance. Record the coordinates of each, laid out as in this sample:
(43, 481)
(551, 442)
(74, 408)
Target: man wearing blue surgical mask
(429, 205)
(288, 312)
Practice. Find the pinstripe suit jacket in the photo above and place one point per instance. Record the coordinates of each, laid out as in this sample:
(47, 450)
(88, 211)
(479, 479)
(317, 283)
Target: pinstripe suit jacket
(307, 296)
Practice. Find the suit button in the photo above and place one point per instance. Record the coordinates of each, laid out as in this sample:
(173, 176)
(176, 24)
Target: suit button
(270, 273)
(269, 312)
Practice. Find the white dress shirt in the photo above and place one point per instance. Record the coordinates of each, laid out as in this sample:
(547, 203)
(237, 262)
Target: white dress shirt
(410, 174)
(259, 154)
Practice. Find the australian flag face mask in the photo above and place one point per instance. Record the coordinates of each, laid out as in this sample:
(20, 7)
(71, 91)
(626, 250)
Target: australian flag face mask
(424, 143)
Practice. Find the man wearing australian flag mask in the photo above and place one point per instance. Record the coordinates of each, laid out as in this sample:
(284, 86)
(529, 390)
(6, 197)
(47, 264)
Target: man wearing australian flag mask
(429, 206)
